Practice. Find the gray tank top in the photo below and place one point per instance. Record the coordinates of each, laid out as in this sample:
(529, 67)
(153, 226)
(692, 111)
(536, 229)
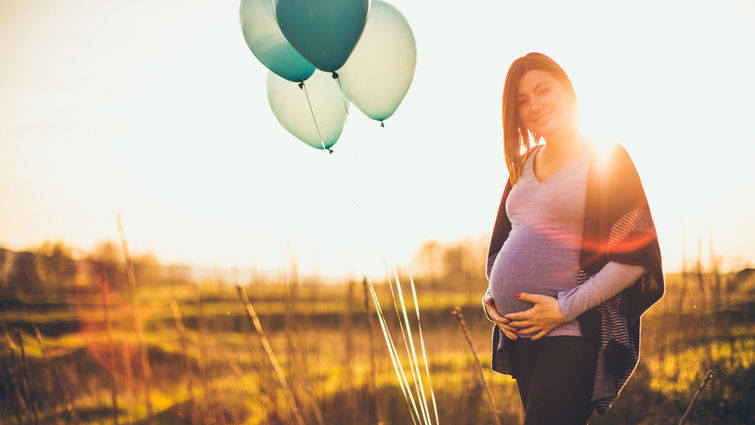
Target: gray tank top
(541, 253)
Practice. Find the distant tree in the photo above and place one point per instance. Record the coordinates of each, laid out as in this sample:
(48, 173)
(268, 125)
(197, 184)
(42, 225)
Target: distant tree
(56, 267)
(23, 274)
(106, 259)
(429, 262)
(6, 261)
(455, 265)
(456, 270)
(148, 270)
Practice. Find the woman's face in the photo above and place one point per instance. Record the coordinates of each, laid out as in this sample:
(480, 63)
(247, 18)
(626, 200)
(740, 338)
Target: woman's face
(543, 104)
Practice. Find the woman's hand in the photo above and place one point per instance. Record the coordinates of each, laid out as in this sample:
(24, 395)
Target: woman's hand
(499, 320)
(538, 320)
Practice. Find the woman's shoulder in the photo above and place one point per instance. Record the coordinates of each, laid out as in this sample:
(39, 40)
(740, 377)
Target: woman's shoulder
(611, 154)
(613, 169)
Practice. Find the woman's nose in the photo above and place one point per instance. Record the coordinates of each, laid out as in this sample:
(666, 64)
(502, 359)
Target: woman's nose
(535, 104)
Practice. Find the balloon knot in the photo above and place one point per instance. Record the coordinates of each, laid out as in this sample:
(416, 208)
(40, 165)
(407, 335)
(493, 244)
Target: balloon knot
(330, 151)
(382, 124)
(335, 75)
(301, 84)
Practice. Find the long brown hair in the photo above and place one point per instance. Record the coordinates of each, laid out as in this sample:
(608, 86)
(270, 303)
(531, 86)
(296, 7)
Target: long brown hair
(516, 137)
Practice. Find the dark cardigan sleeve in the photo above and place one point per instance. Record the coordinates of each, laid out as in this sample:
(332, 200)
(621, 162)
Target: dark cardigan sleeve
(619, 227)
(501, 230)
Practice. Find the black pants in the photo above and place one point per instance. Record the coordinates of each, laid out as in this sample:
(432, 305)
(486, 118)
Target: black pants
(555, 378)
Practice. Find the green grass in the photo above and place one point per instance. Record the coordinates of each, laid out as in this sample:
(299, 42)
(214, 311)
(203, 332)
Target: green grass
(222, 374)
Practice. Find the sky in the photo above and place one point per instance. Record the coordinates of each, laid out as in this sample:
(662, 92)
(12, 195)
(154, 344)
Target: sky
(157, 110)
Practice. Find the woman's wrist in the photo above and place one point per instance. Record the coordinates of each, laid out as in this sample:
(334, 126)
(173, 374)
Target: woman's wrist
(567, 313)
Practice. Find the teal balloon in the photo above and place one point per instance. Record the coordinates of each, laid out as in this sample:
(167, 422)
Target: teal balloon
(323, 31)
(268, 43)
(379, 72)
(318, 126)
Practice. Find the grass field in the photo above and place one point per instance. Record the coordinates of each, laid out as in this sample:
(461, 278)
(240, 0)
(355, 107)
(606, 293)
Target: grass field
(78, 356)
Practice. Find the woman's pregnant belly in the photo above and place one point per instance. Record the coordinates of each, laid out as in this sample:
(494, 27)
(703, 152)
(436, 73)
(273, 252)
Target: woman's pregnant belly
(532, 262)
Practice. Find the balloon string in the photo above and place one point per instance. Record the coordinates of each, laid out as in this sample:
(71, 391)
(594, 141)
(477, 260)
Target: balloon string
(345, 105)
(304, 86)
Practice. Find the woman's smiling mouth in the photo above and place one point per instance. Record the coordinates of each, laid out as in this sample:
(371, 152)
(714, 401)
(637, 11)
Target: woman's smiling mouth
(541, 119)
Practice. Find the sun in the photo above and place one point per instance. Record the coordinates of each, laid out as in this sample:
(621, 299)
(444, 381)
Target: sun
(601, 126)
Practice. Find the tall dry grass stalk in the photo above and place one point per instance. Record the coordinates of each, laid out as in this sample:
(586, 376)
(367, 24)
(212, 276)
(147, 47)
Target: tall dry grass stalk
(294, 330)
(269, 351)
(314, 405)
(105, 292)
(21, 407)
(292, 316)
(422, 342)
(463, 326)
(418, 408)
(185, 358)
(26, 378)
(371, 344)
(708, 376)
(181, 329)
(685, 273)
(715, 271)
(58, 385)
(699, 274)
(204, 362)
(178, 275)
(133, 290)
(55, 392)
(348, 348)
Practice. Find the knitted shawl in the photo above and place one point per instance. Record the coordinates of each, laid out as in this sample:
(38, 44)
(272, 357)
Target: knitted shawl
(617, 227)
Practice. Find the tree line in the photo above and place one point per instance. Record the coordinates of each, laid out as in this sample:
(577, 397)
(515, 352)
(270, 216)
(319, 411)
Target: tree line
(52, 270)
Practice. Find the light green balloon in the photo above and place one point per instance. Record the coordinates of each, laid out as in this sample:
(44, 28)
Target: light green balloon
(267, 42)
(379, 72)
(318, 126)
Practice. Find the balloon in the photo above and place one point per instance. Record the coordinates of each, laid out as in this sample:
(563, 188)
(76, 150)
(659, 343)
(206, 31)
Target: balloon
(380, 70)
(268, 44)
(321, 124)
(323, 31)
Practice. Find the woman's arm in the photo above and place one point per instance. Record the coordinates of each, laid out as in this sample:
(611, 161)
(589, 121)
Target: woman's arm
(610, 280)
(548, 312)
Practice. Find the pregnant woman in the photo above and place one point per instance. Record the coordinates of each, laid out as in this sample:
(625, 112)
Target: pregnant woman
(574, 258)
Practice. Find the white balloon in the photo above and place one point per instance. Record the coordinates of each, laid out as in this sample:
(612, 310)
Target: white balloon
(380, 70)
(317, 121)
